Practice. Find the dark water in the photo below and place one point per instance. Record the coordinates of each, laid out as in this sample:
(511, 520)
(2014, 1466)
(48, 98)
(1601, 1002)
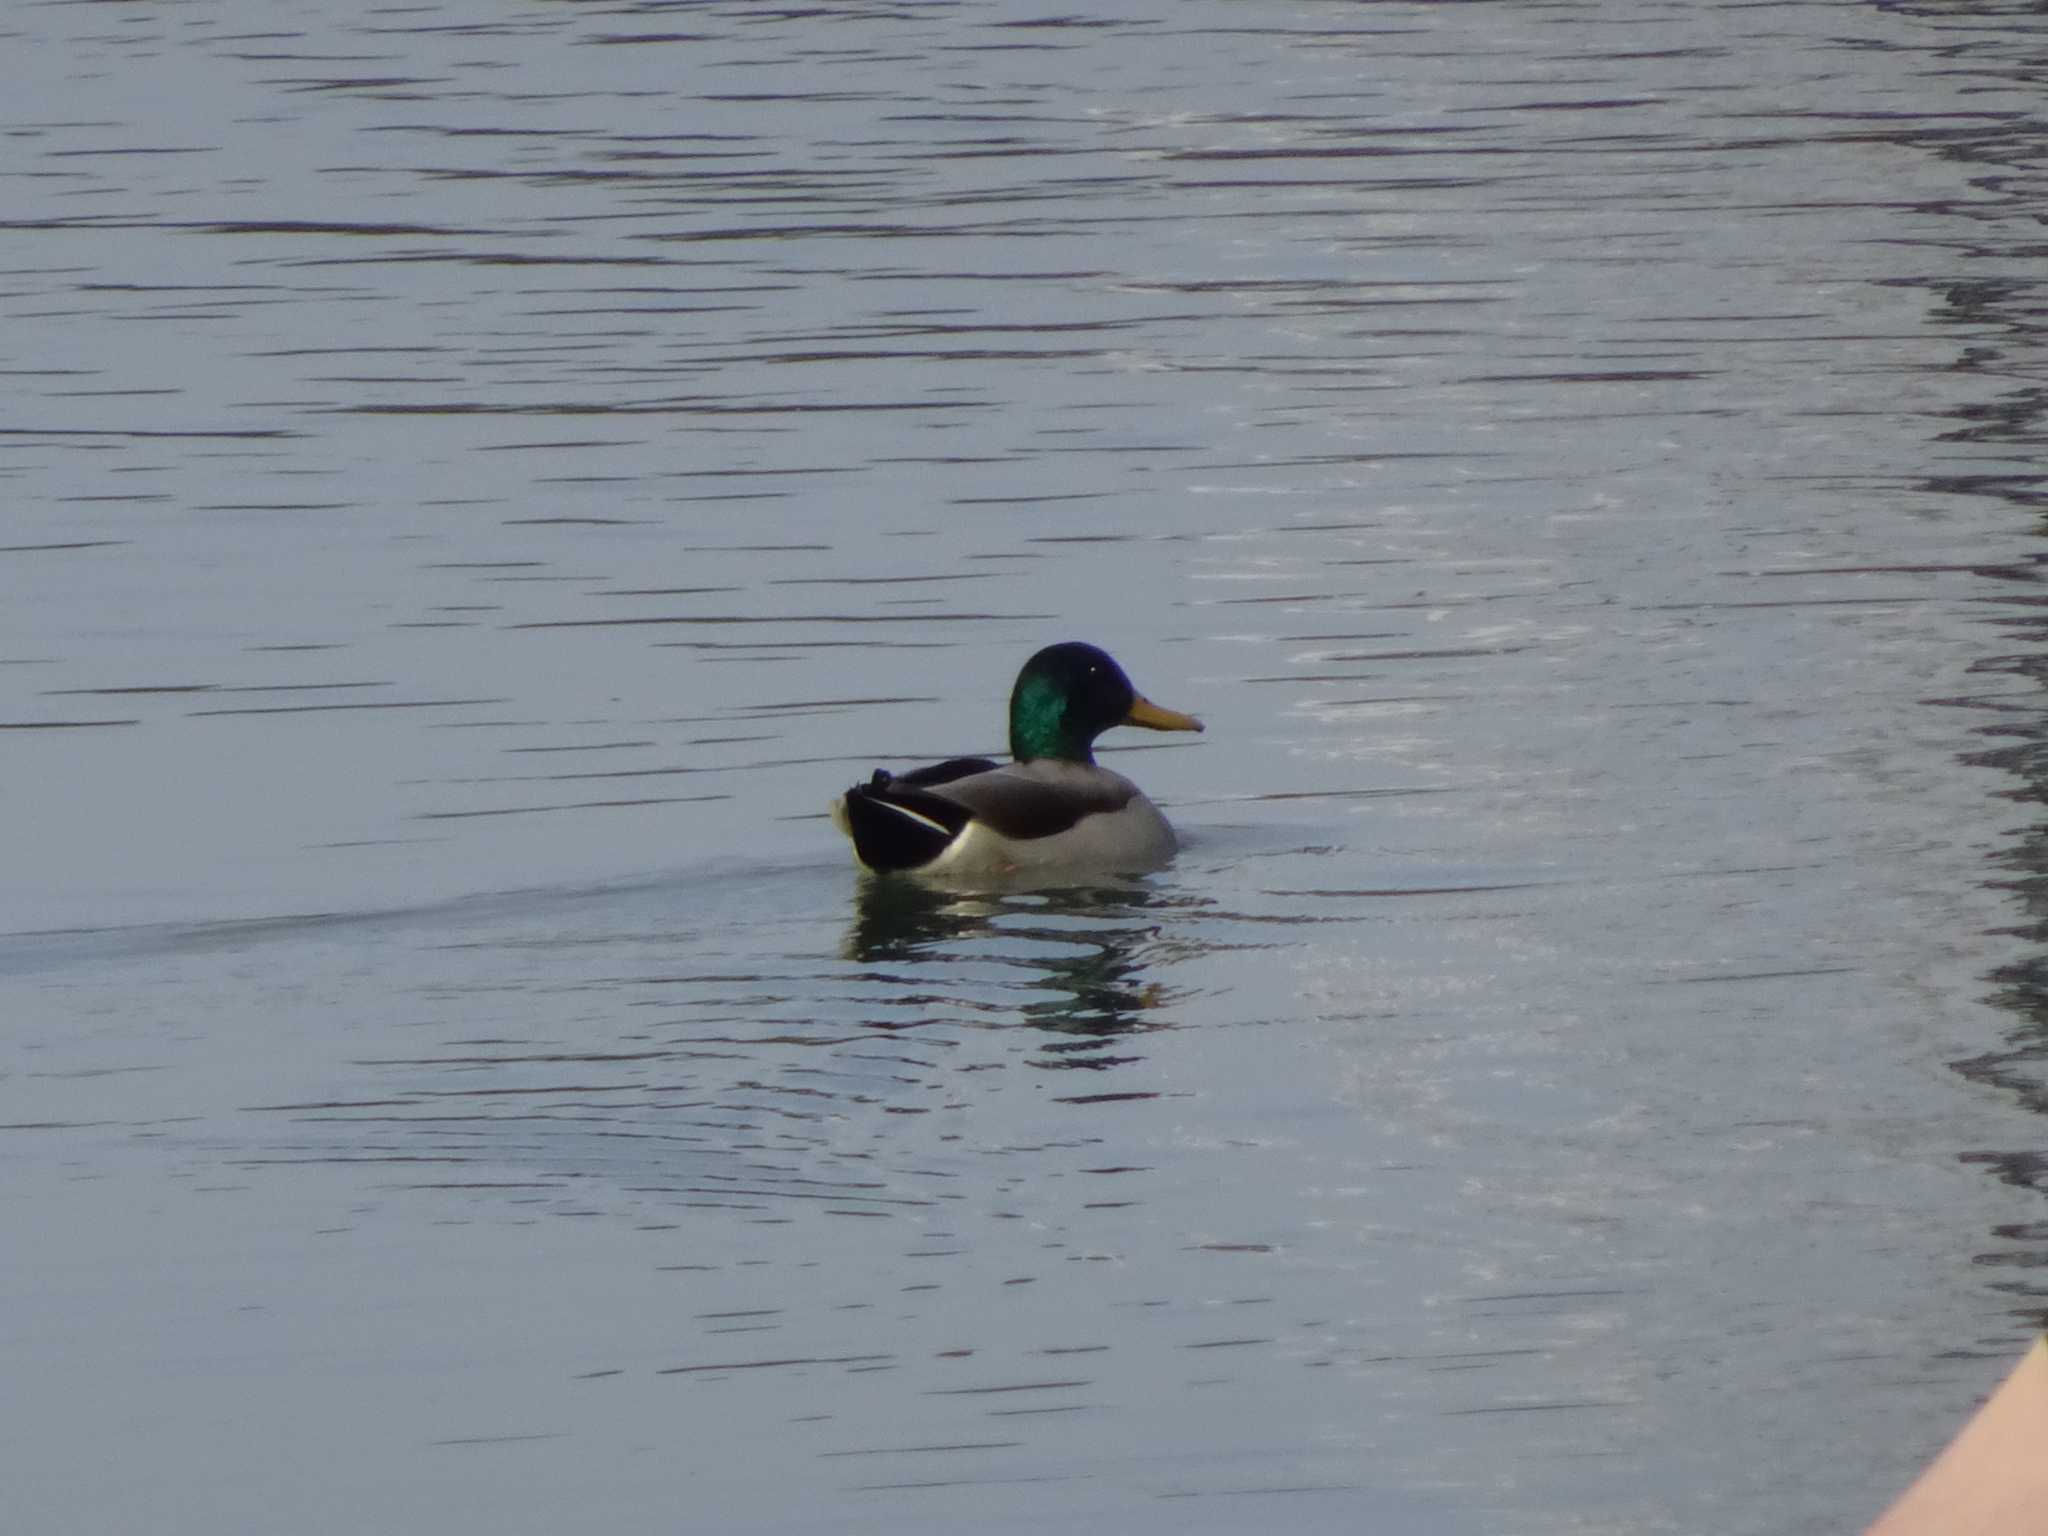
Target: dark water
(479, 479)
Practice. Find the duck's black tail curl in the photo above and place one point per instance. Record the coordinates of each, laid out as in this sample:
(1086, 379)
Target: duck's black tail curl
(897, 823)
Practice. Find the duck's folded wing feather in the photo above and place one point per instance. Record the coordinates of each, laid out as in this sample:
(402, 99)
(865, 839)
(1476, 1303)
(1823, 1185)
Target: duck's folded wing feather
(1022, 807)
(943, 773)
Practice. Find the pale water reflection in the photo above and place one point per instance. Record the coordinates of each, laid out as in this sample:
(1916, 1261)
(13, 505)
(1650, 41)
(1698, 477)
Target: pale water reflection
(480, 481)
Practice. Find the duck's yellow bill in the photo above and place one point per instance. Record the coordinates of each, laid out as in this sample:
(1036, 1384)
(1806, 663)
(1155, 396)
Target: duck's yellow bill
(1144, 712)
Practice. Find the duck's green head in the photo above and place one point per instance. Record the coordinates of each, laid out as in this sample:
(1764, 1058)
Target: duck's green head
(1069, 694)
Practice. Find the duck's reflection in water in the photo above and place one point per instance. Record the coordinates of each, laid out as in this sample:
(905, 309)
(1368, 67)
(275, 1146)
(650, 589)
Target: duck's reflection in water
(1088, 950)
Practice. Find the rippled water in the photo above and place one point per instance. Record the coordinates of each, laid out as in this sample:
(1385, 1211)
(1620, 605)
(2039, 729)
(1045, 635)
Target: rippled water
(481, 478)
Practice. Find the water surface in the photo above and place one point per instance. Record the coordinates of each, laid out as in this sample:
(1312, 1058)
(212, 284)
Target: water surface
(480, 481)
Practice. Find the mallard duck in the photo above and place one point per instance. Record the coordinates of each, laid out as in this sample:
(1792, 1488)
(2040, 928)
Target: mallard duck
(1053, 807)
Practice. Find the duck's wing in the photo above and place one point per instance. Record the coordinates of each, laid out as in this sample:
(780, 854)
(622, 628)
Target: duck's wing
(1027, 801)
(940, 773)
